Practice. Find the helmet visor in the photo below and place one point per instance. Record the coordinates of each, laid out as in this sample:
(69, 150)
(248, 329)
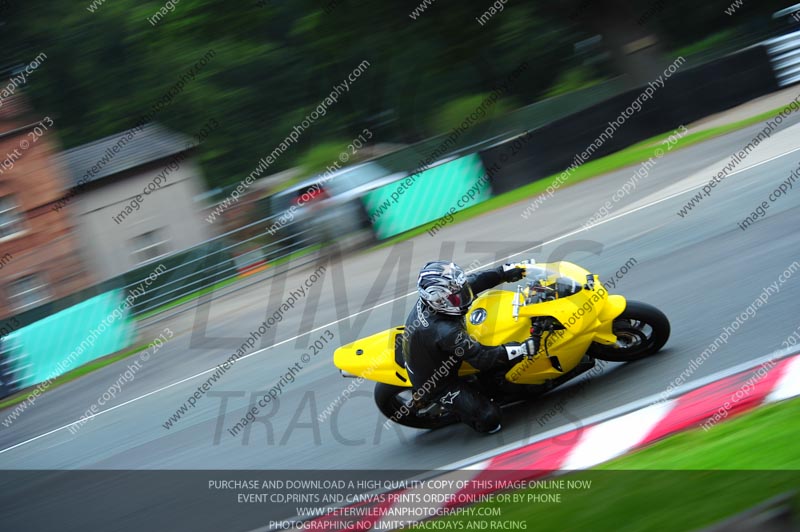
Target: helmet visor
(463, 298)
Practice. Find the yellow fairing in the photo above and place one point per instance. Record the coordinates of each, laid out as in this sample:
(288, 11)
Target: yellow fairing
(586, 315)
(373, 358)
(615, 305)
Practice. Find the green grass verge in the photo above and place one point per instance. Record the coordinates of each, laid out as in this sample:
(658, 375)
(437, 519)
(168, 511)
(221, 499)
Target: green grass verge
(687, 481)
(89, 367)
(629, 156)
(766, 438)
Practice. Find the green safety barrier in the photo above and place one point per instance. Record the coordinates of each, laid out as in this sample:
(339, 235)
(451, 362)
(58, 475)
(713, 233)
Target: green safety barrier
(69, 338)
(427, 196)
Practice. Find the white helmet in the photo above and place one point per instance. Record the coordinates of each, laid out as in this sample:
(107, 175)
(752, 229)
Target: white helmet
(443, 286)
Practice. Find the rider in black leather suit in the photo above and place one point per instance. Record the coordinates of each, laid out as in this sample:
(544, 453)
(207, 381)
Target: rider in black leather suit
(435, 341)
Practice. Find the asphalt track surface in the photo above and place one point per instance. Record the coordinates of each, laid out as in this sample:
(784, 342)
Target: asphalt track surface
(702, 270)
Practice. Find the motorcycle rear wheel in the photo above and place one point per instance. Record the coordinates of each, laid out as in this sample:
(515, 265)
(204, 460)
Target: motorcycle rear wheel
(641, 330)
(390, 400)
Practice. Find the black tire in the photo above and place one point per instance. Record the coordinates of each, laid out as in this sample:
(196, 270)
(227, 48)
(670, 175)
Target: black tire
(390, 400)
(642, 330)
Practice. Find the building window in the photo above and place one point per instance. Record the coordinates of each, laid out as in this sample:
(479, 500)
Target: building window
(10, 218)
(28, 292)
(149, 246)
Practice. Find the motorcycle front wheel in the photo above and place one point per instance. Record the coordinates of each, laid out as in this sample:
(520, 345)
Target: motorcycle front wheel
(641, 331)
(395, 403)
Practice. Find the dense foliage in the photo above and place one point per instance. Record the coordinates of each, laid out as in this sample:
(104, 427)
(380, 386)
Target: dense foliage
(274, 62)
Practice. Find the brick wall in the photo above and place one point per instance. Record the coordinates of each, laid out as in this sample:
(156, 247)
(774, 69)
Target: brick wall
(46, 246)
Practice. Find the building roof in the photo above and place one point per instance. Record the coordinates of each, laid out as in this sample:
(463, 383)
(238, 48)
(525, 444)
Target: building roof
(98, 159)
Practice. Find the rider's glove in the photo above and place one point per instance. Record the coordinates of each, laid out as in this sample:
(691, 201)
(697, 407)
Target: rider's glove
(532, 345)
(515, 350)
(511, 273)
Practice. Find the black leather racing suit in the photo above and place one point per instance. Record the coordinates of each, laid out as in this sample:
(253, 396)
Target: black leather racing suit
(434, 344)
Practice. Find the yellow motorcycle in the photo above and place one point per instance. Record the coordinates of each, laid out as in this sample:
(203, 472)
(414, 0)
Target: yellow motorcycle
(575, 318)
